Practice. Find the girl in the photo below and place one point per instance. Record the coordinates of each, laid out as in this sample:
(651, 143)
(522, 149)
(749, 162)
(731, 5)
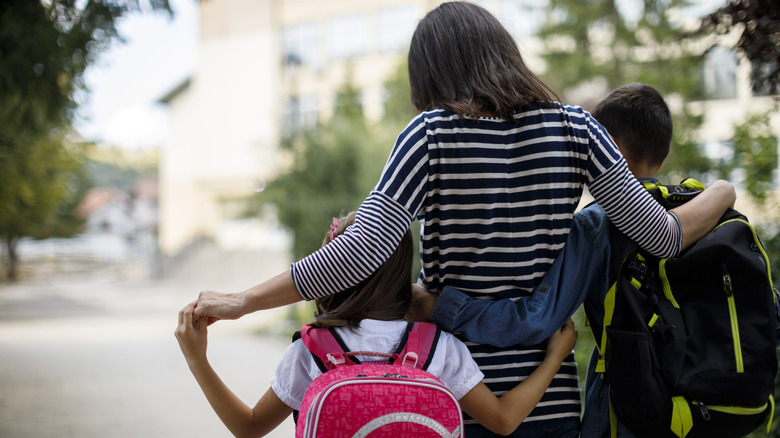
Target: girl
(369, 317)
(494, 168)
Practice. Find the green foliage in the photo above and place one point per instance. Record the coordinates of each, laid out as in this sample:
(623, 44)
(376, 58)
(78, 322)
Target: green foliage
(45, 48)
(686, 158)
(592, 42)
(755, 152)
(334, 166)
(114, 167)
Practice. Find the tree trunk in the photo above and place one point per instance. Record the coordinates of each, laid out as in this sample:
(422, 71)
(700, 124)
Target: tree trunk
(10, 257)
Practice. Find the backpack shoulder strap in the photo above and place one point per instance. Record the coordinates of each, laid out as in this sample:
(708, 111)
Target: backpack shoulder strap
(417, 347)
(327, 347)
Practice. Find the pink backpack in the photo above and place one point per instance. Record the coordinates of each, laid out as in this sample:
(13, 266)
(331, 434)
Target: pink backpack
(391, 397)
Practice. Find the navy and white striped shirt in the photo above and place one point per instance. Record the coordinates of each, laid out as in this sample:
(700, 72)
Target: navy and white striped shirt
(496, 200)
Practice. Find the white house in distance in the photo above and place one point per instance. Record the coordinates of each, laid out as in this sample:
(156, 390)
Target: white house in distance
(269, 67)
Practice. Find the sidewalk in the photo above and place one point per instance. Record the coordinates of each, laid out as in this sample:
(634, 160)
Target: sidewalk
(95, 356)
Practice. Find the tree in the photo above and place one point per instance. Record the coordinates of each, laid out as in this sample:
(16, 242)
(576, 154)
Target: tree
(336, 164)
(45, 48)
(759, 39)
(755, 153)
(331, 166)
(594, 44)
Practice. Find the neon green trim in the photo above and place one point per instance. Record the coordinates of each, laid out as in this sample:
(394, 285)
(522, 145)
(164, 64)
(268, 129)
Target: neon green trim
(636, 283)
(609, 309)
(649, 185)
(682, 420)
(771, 414)
(734, 323)
(692, 184)
(653, 320)
(738, 410)
(760, 248)
(665, 281)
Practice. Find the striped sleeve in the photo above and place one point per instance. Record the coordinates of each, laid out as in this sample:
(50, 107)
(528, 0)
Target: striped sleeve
(636, 213)
(381, 222)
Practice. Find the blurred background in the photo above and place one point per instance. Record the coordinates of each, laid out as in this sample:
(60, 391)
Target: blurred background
(150, 149)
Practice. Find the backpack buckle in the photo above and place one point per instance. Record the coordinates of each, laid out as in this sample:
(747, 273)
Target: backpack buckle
(336, 359)
(410, 359)
(639, 267)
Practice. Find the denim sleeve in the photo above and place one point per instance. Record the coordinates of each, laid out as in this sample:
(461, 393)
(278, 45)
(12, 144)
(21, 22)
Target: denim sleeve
(578, 270)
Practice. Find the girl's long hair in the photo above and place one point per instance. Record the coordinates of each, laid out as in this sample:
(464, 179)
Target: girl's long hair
(385, 295)
(462, 59)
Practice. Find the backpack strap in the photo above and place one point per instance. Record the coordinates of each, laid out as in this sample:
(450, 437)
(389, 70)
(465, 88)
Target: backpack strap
(418, 345)
(327, 347)
(415, 349)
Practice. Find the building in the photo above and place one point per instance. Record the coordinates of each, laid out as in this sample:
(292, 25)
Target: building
(268, 68)
(265, 68)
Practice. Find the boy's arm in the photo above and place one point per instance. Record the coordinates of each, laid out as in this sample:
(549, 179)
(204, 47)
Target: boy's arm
(579, 269)
(503, 415)
(242, 421)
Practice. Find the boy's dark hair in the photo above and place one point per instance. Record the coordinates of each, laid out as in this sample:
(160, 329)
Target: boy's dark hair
(637, 117)
(462, 59)
(385, 295)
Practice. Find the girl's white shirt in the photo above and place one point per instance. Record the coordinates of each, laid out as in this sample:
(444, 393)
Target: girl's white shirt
(451, 363)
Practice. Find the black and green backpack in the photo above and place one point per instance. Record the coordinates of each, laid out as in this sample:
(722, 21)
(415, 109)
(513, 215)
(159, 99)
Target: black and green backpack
(688, 346)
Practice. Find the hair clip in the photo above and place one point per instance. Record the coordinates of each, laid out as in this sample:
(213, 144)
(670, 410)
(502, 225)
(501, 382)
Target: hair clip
(334, 226)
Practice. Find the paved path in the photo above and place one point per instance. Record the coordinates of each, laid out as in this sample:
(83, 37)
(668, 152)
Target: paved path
(94, 355)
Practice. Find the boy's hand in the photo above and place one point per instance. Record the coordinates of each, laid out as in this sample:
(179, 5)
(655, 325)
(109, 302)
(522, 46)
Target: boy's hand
(192, 334)
(561, 343)
(423, 302)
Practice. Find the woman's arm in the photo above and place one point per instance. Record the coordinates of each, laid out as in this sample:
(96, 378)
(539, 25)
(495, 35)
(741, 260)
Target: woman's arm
(276, 292)
(503, 415)
(700, 215)
(242, 421)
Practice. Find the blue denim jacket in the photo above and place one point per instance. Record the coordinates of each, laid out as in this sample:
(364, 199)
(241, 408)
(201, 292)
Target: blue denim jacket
(578, 271)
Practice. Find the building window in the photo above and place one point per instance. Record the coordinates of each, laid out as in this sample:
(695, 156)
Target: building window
(301, 113)
(395, 28)
(299, 43)
(347, 36)
(720, 74)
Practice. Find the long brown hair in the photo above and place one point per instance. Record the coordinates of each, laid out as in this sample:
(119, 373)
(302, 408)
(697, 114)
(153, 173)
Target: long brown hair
(462, 59)
(385, 295)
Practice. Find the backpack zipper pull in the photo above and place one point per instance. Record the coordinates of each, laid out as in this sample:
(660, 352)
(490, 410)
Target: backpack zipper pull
(727, 285)
(705, 413)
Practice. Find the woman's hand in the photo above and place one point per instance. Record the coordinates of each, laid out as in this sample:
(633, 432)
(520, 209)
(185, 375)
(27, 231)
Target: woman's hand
(561, 343)
(192, 334)
(215, 305)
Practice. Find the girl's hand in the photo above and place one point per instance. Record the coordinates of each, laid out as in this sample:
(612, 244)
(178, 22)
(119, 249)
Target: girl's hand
(192, 334)
(561, 343)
